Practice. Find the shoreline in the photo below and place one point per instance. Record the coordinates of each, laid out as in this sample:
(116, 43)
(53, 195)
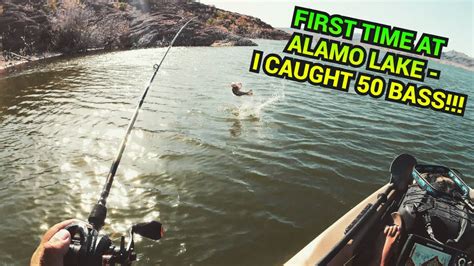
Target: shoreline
(10, 66)
(454, 64)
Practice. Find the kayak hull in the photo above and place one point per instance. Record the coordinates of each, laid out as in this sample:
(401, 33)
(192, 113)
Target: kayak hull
(313, 252)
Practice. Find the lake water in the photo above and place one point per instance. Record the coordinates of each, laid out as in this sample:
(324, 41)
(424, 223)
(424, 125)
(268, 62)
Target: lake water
(235, 181)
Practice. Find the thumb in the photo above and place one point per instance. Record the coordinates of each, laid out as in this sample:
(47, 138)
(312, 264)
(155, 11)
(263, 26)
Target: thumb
(57, 247)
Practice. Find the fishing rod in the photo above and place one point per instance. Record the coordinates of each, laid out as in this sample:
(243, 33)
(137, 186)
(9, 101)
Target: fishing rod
(99, 212)
(87, 246)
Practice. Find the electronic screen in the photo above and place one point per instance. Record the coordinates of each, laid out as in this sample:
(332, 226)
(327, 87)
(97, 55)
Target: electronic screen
(422, 255)
(420, 251)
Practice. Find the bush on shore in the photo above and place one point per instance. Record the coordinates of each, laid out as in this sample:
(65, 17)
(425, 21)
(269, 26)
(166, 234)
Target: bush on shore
(77, 28)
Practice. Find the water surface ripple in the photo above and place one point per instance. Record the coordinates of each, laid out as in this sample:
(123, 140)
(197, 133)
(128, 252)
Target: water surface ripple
(236, 181)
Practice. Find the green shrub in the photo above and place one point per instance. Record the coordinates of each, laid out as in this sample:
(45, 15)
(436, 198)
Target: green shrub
(122, 6)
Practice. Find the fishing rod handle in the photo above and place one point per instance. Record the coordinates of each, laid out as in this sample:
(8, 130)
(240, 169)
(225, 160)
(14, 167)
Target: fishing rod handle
(97, 216)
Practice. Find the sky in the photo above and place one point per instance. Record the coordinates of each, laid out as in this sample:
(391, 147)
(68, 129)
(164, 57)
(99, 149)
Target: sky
(453, 19)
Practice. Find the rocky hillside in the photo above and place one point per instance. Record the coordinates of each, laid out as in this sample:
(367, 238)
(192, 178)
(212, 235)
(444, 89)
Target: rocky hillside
(458, 59)
(68, 26)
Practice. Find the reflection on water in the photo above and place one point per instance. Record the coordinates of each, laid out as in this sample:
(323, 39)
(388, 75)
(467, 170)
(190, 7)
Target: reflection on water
(236, 128)
(235, 180)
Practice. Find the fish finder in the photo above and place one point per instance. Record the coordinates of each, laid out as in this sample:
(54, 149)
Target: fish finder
(420, 251)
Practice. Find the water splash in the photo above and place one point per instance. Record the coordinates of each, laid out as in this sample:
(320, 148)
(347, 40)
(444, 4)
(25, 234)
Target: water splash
(252, 107)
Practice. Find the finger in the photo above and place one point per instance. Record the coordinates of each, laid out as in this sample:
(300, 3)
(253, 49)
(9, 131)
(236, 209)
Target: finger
(389, 231)
(55, 228)
(397, 232)
(392, 230)
(56, 248)
(59, 241)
